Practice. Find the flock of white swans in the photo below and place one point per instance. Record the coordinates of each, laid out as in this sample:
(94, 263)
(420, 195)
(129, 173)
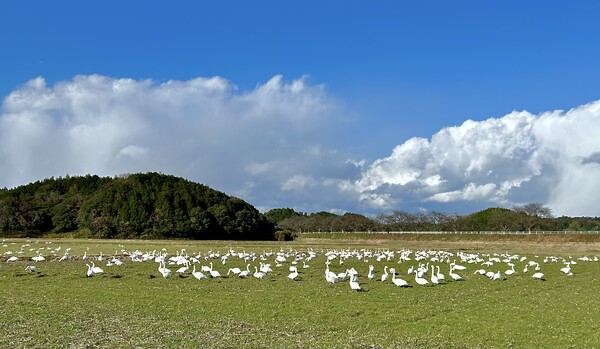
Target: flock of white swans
(402, 268)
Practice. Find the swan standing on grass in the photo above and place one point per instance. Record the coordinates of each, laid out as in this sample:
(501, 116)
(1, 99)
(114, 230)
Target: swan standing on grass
(265, 268)
(162, 269)
(421, 281)
(116, 262)
(166, 273)
(567, 269)
(434, 278)
(353, 274)
(453, 275)
(38, 258)
(371, 274)
(453, 266)
(206, 268)
(294, 274)
(198, 274)
(439, 275)
(330, 276)
(354, 285)
(539, 276)
(398, 281)
(384, 276)
(214, 273)
(89, 272)
(259, 274)
(245, 273)
(235, 271)
(185, 268)
(96, 269)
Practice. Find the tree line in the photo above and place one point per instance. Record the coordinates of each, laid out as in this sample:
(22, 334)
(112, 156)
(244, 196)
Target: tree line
(158, 206)
(527, 217)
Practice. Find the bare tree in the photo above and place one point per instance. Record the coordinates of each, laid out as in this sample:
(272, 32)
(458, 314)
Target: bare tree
(534, 209)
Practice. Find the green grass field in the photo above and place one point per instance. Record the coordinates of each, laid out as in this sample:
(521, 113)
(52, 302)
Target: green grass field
(133, 306)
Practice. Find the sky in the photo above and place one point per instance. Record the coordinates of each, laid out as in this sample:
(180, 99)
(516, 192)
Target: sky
(339, 106)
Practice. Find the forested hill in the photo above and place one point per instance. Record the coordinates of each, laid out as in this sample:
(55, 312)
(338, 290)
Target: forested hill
(147, 206)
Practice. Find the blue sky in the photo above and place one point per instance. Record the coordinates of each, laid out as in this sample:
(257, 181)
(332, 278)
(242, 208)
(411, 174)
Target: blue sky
(368, 78)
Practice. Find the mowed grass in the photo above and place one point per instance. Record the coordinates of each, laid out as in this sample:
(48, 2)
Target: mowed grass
(133, 306)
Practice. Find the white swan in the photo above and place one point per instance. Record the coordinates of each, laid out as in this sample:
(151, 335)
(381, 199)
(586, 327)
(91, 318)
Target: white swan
(214, 273)
(421, 281)
(440, 276)
(330, 276)
(453, 275)
(235, 271)
(198, 274)
(384, 276)
(354, 285)
(162, 269)
(89, 272)
(371, 274)
(259, 274)
(398, 282)
(96, 269)
(245, 273)
(434, 278)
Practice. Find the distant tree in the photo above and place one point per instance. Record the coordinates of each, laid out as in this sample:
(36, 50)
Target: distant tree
(277, 215)
(534, 209)
(354, 222)
(535, 213)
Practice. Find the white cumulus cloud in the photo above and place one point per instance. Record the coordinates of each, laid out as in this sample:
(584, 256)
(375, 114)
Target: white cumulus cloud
(249, 143)
(550, 158)
(277, 145)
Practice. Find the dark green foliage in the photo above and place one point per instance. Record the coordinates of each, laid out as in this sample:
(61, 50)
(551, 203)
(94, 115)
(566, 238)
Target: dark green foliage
(325, 222)
(155, 206)
(150, 205)
(500, 219)
(277, 215)
(492, 219)
(578, 223)
(430, 221)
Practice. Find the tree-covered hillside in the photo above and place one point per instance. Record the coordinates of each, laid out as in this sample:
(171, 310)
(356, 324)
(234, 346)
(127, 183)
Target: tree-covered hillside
(147, 205)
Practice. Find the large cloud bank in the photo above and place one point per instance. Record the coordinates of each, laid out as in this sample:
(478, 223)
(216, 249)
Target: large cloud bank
(262, 144)
(278, 145)
(552, 158)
